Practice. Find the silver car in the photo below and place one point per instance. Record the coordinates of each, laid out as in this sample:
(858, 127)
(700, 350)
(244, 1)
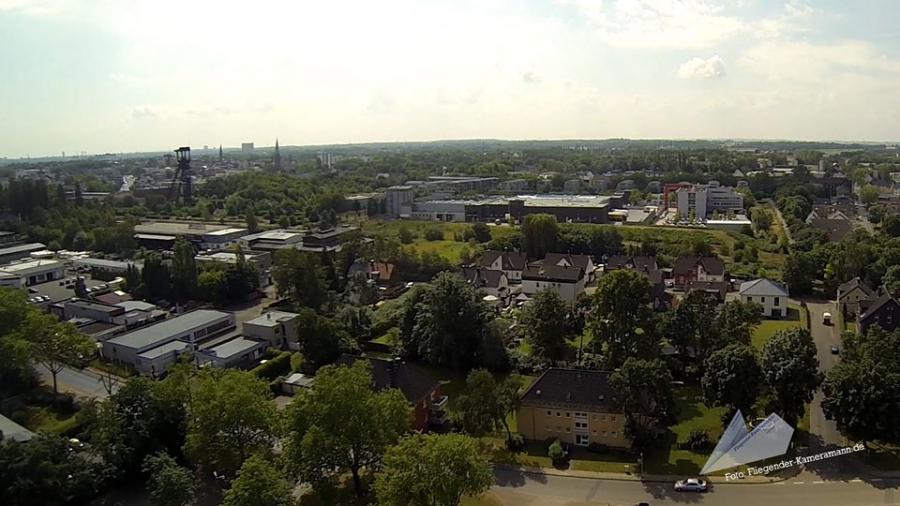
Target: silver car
(690, 485)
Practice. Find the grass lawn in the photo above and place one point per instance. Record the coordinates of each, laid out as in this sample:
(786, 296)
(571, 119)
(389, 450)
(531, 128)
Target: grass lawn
(768, 328)
(692, 415)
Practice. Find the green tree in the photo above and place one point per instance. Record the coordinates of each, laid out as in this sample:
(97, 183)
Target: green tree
(544, 323)
(800, 270)
(170, 484)
(761, 219)
(252, 223)
(862, 392)
(231, 416)
(46, 471)
(732, 377)
(540, 234)
(433, 470)
(55, 344)
(891, 279)
(343, 425)
(155, 276)
(644, 387)
(481, 232)
(184, 270)
(258, 483)
(692, 326)
(320, 338)
(301, 277)
(868, 195)
(622, 320)
(737, 320)
(791, 372)
(212, 286)
(446, 323)
(406, 235)
(486, 404)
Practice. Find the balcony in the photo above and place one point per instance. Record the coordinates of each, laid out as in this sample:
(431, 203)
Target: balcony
(439, 403)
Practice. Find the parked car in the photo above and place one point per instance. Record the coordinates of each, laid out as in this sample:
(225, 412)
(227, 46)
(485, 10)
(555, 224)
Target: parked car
(835, 350)
(826, 318)
(690, 485)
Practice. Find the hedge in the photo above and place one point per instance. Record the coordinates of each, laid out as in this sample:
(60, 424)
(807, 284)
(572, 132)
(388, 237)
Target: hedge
(274, 367)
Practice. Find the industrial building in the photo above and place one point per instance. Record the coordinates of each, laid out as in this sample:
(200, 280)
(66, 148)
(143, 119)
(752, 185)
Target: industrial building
(566, 208)
(272, 240)
(202, 235)
(34, 272)
(399, 200)
(143, 348)
(19, 251)
(116, 267)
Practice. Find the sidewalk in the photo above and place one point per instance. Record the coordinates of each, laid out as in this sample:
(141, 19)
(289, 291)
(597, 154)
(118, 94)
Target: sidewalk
(650, 478)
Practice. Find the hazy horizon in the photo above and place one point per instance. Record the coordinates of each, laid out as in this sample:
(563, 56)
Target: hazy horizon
(102, 77)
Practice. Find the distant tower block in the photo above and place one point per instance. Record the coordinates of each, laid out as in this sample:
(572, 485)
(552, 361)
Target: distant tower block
(247, 147)
(221, 157)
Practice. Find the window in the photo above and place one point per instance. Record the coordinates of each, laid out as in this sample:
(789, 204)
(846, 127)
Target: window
(612, 418)
(762, 299)
(558, 413)
(549, 413)
(568, 429)
(776, 301)
(603, 417)
(568, 415)
(749, 299)
(581, 425)
(612, 434)
(582, 440)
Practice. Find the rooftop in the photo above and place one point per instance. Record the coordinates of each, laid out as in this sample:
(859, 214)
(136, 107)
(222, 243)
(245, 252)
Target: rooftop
(233, 347)
(572, 387)
(413, 381)
(102, 262)
(163, 349)
(272, 318)
(763, 287)
(136, 305)
(174, 228)
(26, 268)
(228, 231)
(167, 329)
(22, 248)
(13, 431)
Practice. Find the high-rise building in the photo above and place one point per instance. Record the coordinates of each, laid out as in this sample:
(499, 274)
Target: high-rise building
(247, 147)
(704, 199)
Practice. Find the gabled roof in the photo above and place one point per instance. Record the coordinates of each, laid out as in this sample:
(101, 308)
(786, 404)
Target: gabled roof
(641, 263)
(853, 284)
(412, 381)
(572, 387)
(876, 306)
(482, 278)
(511, 261)
(581, 261)
(719, 288)
(711, 264)
(553, 273)
(763, 287)
(835, 229)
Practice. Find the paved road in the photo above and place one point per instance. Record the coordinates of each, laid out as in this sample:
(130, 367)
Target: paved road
(76, 381)
(824, 432)
(515, 488)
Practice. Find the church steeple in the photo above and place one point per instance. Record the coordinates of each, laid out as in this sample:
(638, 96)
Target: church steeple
(277, 156)
(221, 157)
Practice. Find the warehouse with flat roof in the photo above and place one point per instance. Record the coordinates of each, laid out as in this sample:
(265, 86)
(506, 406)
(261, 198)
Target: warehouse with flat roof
(189, 328)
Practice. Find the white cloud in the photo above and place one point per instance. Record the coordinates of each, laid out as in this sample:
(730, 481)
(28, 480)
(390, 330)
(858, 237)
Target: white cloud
(673, 24)
(702, 68)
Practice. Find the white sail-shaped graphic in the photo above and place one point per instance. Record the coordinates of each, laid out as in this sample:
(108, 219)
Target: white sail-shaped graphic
(738, 446)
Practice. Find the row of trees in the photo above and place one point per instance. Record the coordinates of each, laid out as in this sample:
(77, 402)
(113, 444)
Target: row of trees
(199, 423)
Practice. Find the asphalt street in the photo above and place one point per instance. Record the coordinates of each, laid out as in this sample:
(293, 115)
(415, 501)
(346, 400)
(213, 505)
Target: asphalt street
(75, 381)
(517, 488)
(823, 432)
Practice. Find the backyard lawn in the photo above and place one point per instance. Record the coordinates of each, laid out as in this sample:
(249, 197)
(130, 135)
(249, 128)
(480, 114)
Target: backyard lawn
(768, 328)
(692, 415)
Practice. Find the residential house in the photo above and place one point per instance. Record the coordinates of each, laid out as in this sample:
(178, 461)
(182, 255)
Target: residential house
(487, 281)
(772, 296)
(575, 406)
(568, 282)
(646, 265)
(851, 293)
(383, 273)
(279, 328)
(835, 229)
(883, 311)
(512, 264)
(421, 390)
(716, 289)
(235, 352)
(584, 262)
(691, 268)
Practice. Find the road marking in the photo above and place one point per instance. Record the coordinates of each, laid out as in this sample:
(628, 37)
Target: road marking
(857, 480)
(798, 483)
(818, 482)
(876, 479)
(778, 483)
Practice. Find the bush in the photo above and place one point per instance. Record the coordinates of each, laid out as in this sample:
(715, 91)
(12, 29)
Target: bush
(274, 367)
(697, 441)
(597, 448)
(516, 442)
(434, 234)
(297, 360)
(556, 452)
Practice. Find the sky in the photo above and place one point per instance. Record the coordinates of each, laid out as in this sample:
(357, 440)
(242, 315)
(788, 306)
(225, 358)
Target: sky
(103, 76)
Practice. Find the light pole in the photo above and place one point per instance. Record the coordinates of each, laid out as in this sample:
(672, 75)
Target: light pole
(641, 461)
